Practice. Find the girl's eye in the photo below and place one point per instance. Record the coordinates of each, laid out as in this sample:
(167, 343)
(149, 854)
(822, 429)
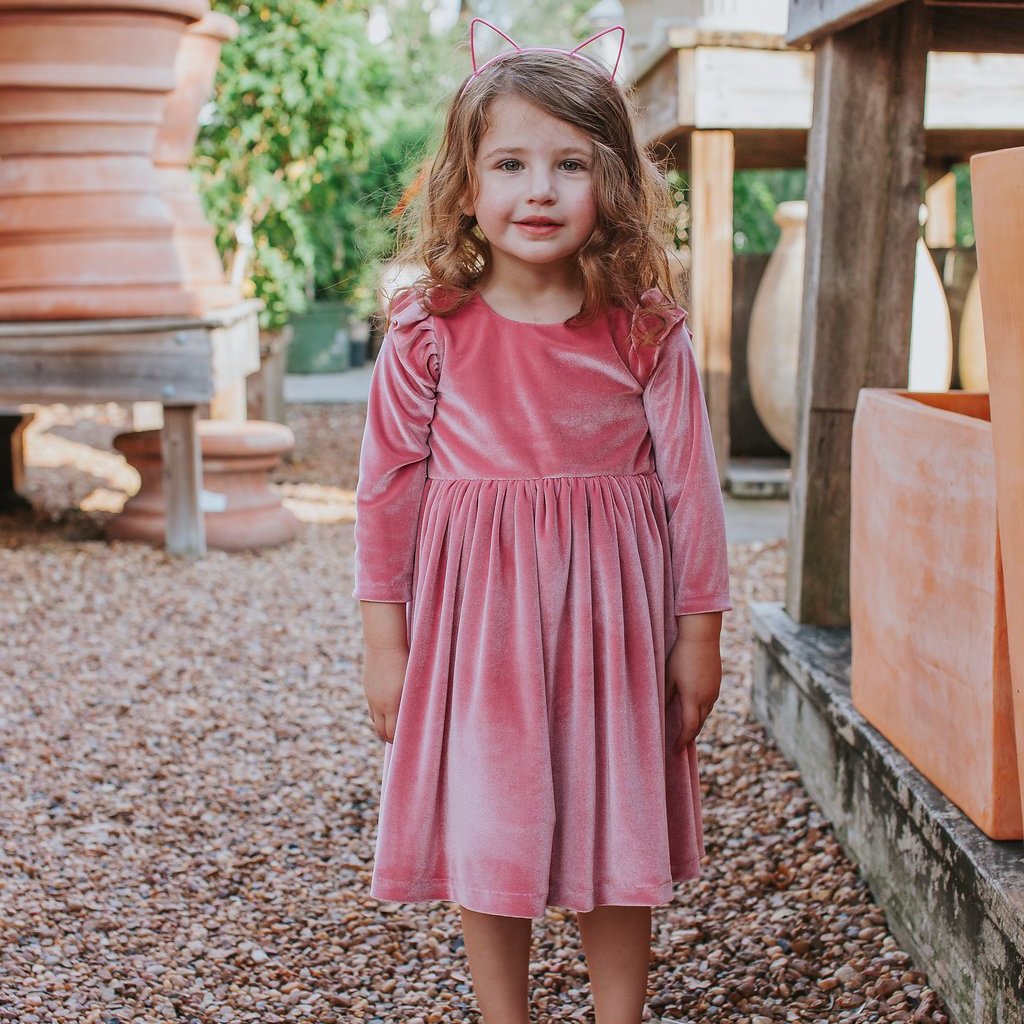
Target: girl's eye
(515, 165)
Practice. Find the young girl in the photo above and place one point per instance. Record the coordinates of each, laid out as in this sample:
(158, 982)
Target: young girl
(540, 544)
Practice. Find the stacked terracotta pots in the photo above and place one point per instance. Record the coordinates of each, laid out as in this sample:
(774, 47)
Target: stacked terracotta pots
(194, 71)
(84, 228)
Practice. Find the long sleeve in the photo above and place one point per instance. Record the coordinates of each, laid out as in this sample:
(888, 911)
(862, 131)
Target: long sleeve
(392, 461)
(685, 463)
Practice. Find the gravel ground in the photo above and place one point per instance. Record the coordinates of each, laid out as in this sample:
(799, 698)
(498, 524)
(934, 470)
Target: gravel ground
(189, 783)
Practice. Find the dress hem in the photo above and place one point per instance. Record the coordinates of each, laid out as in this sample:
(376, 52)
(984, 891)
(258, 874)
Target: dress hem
(509, 904)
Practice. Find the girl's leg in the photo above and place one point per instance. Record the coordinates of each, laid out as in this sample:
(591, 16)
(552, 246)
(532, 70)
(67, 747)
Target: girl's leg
(498, 949)
(617, 944)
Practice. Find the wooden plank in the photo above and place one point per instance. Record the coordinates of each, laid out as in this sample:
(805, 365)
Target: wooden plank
(811, 20)
(224, 316)
(230, 403)
(858, 279)
(181, 377)
(979, 31)
(190, 341)
(974, 102)
(967, 91)
(236, 351)
(663, 97)
(183, 481)
(737, 89)
(711, 183)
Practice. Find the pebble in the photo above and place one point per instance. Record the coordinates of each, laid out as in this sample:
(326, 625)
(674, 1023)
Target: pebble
(190, 802)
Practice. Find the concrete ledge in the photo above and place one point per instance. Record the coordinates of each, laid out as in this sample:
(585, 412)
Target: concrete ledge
(954, 897)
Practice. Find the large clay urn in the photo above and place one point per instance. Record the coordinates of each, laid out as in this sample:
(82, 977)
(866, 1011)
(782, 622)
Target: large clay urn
(931, 332)
(240, 510)
(84, 230)
(773, 341)
(972, 362)
(194, 71)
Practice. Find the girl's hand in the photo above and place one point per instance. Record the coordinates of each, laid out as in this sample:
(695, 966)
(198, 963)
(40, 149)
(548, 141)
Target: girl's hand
(383, 679)
(386, 656)
(693, 672)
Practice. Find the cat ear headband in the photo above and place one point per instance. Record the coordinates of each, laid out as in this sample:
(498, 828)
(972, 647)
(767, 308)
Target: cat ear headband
(516, 48)
(413, 190)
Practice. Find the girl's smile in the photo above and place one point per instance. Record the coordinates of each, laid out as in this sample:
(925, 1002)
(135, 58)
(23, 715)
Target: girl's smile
(539, 227)
(535, 197)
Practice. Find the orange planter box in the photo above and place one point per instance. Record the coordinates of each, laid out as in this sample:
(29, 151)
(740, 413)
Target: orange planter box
(931, 667)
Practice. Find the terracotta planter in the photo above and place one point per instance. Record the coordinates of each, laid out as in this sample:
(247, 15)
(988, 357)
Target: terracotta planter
(194, 72)
(84, 231)
(997, 181)
(242, 511)
(931, 668)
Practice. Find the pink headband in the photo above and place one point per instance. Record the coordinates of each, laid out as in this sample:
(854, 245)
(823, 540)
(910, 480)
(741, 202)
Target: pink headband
(516, 48)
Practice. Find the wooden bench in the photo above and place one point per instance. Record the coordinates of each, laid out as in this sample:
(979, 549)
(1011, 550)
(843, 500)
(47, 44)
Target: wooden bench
(181, 362)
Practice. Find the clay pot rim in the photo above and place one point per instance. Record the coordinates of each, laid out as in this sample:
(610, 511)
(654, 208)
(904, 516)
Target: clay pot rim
(193, 10)
(792, 211)
(216, 26)
(218, 439)
(918, 402)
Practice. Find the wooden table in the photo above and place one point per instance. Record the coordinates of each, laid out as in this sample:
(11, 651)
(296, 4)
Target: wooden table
(181, 362)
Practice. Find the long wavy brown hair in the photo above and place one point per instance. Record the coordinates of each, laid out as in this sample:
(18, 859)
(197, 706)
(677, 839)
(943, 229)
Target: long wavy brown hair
(626, 253)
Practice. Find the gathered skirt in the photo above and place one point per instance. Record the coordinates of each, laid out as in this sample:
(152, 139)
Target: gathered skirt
(533, 761)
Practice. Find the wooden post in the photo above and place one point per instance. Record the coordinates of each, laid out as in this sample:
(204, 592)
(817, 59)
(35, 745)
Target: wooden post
(864, 165)
(712, 162)
(183, 481)
(12, 459)
(230, 404)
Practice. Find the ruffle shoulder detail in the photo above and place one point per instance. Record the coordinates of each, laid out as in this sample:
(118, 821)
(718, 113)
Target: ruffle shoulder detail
(654, 320)
(414, 332)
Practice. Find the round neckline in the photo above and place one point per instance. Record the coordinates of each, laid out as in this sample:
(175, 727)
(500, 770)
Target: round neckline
(518, 323)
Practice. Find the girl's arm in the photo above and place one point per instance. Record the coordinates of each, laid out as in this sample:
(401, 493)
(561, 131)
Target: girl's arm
(685, 463)
(392, 476)
(684, 460)
(393, 457)
(385, 657)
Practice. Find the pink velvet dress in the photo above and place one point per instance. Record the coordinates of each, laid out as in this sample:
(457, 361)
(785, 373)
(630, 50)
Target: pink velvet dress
(545, 499)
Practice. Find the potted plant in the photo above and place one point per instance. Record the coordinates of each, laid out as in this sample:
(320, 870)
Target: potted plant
(300, 103)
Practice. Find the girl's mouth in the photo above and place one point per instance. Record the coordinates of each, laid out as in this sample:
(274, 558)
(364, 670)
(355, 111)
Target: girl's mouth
(538, 226)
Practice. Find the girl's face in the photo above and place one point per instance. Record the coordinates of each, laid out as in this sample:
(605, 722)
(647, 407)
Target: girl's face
(535, 201)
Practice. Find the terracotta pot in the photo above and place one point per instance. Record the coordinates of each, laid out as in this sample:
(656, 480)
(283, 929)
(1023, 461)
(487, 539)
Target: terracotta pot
(972, 364)
(931, 668)
(194, 72)
(236, 460)
(84, 231)
(997, 181)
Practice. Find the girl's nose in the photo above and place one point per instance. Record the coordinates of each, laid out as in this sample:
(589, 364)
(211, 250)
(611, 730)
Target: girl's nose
(541, 188)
